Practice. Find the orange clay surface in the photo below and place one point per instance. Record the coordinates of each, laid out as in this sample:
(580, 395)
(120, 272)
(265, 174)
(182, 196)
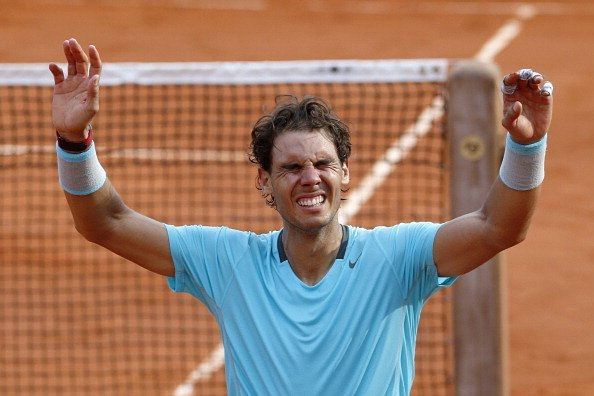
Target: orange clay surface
(549, 276)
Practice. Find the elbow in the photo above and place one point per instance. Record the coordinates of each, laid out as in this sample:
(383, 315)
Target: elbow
(521, 237)
(97, 220)
(92, 234)
(505, 231)
(100, 229)
(82, 231)
(507, 239)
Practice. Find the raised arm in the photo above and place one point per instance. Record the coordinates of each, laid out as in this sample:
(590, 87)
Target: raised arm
(99, 213)
(466, 242)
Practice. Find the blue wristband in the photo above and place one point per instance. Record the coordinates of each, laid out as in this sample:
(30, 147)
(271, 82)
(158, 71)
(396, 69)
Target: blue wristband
(80, 174)
(522, 167)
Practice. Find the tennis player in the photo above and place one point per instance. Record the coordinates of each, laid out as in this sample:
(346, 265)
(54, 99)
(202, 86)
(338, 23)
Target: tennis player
(319, 307)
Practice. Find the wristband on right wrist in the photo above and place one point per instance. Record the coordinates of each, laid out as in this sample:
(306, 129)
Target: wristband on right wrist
(75, 147)
(522, 167)
(80, 173)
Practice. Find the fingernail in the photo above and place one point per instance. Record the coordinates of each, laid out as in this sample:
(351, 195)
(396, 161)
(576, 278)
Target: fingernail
(536, 77)
(525, 74)
(547, 89)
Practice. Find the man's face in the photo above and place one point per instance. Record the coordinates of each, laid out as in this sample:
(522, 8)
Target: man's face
(305, 179)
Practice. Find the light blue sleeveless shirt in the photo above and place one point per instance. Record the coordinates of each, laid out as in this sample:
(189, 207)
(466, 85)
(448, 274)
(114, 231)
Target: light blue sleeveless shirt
(353, 333)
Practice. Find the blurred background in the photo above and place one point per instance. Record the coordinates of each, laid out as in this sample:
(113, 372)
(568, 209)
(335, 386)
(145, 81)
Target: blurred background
(550, 276)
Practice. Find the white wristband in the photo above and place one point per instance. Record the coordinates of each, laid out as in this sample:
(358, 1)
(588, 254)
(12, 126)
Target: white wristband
(522, 167)
(80, 173)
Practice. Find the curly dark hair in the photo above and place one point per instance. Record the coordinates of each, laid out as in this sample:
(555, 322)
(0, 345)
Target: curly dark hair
(291, 114)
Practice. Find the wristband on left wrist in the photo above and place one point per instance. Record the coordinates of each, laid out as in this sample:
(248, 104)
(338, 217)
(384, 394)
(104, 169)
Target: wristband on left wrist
(523, 167)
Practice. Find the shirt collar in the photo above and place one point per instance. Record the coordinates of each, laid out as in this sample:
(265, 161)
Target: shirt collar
(341, 251)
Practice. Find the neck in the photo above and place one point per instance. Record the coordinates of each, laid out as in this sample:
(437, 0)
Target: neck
(311, 255)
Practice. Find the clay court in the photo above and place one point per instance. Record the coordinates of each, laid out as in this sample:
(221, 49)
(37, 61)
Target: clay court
(548, 277)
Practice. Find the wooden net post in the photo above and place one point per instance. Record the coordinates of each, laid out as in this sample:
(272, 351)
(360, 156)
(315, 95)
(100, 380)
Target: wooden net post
(479, 308)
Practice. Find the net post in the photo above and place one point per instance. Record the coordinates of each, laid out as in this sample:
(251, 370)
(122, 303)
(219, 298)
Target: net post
(478, 297)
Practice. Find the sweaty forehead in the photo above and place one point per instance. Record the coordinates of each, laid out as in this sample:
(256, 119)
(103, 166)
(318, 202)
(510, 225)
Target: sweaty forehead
(300, 146)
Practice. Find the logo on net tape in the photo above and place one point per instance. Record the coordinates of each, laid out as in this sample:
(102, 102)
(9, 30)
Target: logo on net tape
(473, 147)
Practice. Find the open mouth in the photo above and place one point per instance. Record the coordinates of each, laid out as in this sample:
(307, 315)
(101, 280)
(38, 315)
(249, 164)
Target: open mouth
(311, 202)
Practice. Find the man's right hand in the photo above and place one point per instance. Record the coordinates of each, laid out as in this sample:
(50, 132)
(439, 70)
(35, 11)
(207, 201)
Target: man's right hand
(76, 98)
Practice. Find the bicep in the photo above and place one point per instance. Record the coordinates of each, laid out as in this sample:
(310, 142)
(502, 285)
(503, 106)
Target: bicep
(143, 241)
(468, 241)
(463, 244)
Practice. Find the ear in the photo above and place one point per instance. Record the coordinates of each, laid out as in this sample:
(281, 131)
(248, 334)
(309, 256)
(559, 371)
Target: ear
(346, 177)
(264, 181)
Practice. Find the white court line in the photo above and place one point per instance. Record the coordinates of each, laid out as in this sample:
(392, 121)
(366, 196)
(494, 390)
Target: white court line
(149, 154)
(505, 34)
(223, 5)
(180, 155)
(382, 168)
(22, 149)
(385, 165)
(386, 7)
(205, 370)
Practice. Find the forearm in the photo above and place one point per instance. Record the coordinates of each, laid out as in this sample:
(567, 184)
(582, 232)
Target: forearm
(101, 216)
(511, 202)
(96, 214)
(92, 200)
(507, 214)
(468, 241)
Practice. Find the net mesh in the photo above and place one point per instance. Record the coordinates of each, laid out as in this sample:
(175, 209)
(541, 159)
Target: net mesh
(75, 319)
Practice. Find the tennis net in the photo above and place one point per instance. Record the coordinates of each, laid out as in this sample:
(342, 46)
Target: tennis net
(76, 319)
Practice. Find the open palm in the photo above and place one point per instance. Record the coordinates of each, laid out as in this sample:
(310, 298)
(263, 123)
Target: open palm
(75, 99)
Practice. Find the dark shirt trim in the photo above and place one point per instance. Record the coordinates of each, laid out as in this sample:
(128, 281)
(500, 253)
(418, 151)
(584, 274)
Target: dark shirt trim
(341, 251)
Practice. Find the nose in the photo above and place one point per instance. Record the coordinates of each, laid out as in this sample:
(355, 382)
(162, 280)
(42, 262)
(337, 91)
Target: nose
(310, 176)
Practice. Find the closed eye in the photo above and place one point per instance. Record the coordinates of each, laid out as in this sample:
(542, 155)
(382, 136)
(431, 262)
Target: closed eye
(295, 167)
(291, 167)
(322, 163)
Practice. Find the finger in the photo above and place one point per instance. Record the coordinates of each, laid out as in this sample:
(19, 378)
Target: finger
(69, 58)
(511, 79)
(530, 79)
(57, 73)
(95, 61)
(93, 87)
(547, 89)
(525, 74)
(534, 81)
(93, 95)
(509, 84)
(82, 62)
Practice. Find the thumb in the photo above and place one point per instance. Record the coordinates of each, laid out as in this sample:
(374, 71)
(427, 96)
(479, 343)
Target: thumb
(510, 117)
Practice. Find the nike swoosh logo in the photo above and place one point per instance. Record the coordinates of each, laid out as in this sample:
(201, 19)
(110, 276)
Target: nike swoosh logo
(353, 263)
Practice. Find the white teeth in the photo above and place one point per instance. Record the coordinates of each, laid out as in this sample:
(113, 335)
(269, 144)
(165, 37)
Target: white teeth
(311, 201)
